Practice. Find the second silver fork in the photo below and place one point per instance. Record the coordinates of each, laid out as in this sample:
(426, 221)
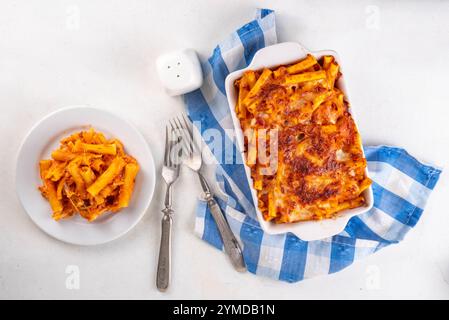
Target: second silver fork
(193, 159)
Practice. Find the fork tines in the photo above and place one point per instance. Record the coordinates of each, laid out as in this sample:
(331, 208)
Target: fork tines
(183, 129)
(170, 157)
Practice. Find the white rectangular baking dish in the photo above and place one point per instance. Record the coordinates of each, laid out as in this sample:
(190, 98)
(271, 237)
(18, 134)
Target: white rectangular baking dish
(269, 57)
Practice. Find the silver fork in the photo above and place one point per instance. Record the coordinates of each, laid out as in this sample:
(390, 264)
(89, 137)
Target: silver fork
(170, 172)
(192, 158)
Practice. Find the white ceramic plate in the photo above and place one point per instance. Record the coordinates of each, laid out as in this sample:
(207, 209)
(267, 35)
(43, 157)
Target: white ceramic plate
(44, 137)
(269, 57)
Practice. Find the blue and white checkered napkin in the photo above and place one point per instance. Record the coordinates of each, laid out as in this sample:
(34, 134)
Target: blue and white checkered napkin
(401, 184)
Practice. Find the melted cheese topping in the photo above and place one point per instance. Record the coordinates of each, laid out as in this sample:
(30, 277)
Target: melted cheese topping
(320, 167)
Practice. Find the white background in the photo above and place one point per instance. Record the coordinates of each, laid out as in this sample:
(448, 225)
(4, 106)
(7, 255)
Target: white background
(102, 53)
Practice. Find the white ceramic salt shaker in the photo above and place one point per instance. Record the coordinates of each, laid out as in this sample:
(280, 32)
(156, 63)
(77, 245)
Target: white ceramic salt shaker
(179, 71)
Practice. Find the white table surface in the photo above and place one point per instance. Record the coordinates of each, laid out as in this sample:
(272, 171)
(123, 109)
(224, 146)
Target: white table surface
(102, 52)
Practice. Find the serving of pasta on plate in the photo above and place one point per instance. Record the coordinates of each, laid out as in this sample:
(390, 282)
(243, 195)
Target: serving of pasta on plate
(88, 174)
